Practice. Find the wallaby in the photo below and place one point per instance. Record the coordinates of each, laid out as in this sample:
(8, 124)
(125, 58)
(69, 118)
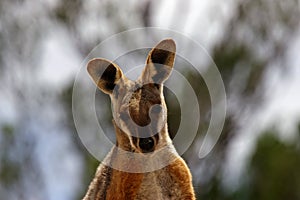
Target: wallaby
(144, 163)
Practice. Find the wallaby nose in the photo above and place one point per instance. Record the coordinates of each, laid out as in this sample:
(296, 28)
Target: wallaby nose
(146, 144)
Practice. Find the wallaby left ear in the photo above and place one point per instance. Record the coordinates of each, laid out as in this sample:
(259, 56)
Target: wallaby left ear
(105, 74)
(160, 62)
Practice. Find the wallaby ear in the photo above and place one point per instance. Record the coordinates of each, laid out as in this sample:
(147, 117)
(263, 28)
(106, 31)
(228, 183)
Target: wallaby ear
(104, 73)
(160, 62)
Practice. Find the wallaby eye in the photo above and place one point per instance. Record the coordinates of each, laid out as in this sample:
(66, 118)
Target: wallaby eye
(156, 85)
(146, 144)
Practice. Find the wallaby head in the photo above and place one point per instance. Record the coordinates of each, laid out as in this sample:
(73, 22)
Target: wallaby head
(139, 108)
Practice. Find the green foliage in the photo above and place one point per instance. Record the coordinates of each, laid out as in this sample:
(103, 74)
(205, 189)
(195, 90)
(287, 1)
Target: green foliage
(272, 173)
(8, 132)
(9, 169)
(67, 11)
(275, 170)
(226, 56)
(9, 172)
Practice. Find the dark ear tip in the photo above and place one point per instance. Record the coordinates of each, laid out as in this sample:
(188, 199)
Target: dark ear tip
(167, 44)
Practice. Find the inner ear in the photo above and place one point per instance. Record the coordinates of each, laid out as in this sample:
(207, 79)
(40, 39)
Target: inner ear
(163, 53)
(105, 74)
(160, 62)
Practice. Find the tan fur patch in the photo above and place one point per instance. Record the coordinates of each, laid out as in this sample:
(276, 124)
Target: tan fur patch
(124, 185)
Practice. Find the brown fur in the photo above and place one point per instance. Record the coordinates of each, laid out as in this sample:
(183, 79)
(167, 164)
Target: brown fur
(141, 129)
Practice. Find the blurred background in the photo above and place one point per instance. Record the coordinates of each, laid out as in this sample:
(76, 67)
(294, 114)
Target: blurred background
(254, 43)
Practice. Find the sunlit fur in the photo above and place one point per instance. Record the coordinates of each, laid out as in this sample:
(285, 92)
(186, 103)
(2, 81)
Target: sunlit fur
(140, 121)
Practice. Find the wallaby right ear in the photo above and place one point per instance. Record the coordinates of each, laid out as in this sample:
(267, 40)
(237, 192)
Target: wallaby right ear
(160, 62)
(104, 73)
